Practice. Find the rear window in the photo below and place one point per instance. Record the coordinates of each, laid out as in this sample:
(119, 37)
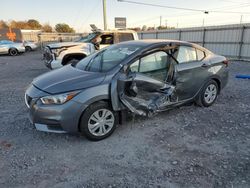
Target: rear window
(200, 54)
(125, 37)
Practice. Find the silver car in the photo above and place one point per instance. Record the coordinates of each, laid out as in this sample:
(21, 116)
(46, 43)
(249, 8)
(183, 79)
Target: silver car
(11, 48)
(143, 77)
(30, 45)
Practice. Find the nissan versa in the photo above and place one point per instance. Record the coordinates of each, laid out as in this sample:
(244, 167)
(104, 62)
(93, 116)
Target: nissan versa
(143, 77)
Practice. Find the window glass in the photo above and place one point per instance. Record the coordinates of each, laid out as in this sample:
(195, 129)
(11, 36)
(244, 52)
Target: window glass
(153, 65)
(186, 54)
(134, 67)
(125, 37)
(107, 39)
(107, 58)
(200, 54)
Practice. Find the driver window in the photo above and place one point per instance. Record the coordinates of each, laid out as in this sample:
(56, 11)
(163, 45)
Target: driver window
(154, 65)
(107, 39)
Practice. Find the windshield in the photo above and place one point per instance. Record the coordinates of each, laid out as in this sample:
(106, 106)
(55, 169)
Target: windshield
(107, 59)
(87, 38)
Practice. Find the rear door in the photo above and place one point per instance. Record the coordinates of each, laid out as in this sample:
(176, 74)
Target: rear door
(3, 47)
(192, 71)
(144, 89)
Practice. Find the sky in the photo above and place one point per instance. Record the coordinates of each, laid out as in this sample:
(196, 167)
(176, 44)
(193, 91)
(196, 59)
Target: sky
(80, 13)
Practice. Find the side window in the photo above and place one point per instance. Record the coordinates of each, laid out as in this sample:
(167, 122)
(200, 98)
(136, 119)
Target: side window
(134, 67)
(153, 65)
(200, 54)
(186, 54)
(125, 37)
(107, 39)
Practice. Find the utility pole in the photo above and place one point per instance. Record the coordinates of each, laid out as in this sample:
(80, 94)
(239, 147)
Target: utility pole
(160, 20)
(104, 14)
(241, 19)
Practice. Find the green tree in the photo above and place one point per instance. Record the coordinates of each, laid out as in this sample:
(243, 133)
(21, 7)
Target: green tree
(19, 24)
(47, 28)
(64, 28)
(34, 24)
(3, 24)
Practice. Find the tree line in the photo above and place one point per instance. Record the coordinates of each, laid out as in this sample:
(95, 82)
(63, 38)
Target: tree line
(36, 25)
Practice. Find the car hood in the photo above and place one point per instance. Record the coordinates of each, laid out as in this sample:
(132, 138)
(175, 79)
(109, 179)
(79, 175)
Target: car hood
(67, 79)
(63, 44)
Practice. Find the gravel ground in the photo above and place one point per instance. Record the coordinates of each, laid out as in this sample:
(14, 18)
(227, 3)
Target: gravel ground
(184, 147)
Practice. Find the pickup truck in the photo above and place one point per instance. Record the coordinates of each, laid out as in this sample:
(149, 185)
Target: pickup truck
(60, 54)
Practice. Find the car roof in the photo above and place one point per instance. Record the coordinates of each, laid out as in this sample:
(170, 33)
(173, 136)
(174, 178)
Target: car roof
(152, 42)
(117, 31)
(148, 42)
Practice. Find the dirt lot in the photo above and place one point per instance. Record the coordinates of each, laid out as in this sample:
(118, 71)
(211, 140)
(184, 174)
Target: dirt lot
(185, 147)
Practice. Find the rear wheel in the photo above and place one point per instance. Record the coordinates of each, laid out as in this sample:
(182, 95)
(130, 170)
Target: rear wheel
(13, 52)
(28, 48)
(208, 94)
(98, 121)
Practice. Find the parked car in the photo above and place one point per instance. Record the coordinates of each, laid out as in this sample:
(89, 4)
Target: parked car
(143, 77)
(60, 54)
(30, 45)
(11, 48)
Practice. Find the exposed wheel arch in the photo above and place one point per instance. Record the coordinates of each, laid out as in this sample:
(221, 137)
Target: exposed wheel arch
(69, 57)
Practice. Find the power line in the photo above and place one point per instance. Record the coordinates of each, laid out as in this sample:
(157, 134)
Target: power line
(181, 8)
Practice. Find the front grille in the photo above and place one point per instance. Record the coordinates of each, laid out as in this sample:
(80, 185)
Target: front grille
(28, 100)
(47, 55)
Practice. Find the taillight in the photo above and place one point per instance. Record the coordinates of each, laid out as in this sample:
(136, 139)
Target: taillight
(226, 62)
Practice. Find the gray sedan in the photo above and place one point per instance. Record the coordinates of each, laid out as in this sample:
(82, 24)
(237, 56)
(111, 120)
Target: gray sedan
(11, 48)
(141, 77)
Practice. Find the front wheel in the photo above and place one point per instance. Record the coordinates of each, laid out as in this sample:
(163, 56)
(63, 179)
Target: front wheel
(98, 121)
(72, 61)
(208, 94)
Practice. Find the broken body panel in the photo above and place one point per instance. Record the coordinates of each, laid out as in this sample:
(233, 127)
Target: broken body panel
(143, 95)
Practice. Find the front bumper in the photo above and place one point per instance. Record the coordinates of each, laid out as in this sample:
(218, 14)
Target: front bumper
(52, 118)
(51, 62)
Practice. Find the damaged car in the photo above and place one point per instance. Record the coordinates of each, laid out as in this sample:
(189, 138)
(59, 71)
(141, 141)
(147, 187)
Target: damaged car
(143, 77)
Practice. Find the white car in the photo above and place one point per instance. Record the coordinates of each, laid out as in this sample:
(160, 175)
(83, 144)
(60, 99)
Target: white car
(11, 48)
(60, 54)
(30, 45)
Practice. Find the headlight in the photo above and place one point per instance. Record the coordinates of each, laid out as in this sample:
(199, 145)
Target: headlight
(58, 99)
(58, 51)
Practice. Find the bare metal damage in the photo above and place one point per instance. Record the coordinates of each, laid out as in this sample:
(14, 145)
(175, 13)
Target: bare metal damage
(145, 97)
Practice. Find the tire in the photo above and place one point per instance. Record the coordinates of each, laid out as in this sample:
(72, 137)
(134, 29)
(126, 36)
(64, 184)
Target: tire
(93, 115)
(72, 61)
(208, 94)
(28, 49)
(13, 52)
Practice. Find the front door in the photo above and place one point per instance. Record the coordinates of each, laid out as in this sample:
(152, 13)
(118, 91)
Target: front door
(144, 89)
